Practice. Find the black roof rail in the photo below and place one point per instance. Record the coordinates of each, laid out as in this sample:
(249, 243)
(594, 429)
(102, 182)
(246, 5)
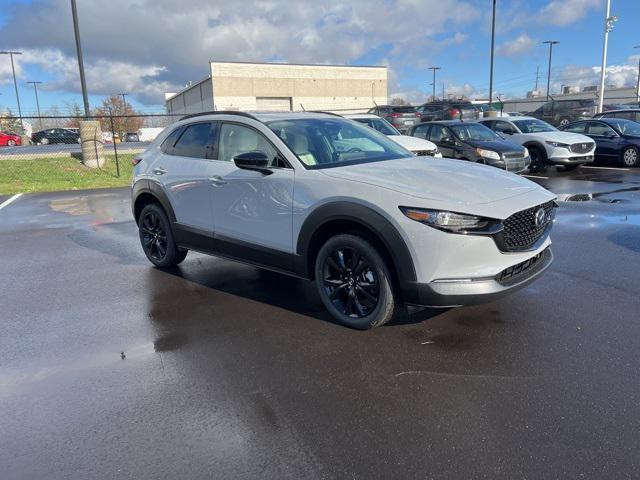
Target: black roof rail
(220, 112)
(322, 111)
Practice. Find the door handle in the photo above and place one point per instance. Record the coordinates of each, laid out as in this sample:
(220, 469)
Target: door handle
(159, 171)
(217, 181)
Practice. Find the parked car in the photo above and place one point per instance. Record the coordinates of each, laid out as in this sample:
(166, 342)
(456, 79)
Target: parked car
(563, 112)
(626, 113)
(401, 117)
(130, 137)
(514, 114)
(615, 138)
(418, 146)
(546, 144)
(55, 135)
(323, 198)
(8, 139)
(448, 110)
(474, 142)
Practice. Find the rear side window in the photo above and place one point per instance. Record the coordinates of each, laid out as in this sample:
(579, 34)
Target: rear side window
(170, 141)
(421, 131)
(600, 129)
(404, 109)
(195, 141)
(576, 127)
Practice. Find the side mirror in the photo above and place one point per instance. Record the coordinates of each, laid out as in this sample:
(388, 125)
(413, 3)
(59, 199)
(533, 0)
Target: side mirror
(447, 140)
(256, 160)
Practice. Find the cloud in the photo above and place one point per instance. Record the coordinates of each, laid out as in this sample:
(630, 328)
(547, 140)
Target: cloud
(618, 76)
(517, 46)
(564, 12)
(153, 44)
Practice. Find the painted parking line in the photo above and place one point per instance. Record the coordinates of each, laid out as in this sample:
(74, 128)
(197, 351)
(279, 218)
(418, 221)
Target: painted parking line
(608, 168)
(535, 176)
(9, 201)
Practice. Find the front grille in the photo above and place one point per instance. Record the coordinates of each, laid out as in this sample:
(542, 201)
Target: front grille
(514, 165)
(521, 231)
(584, 147)
(428, 153)
(523, 270)
(513, 155)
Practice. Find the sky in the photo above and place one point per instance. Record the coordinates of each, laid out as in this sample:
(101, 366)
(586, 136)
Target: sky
(148, 47)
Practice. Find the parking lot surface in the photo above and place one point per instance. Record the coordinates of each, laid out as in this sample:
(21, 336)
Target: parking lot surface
(110, 368)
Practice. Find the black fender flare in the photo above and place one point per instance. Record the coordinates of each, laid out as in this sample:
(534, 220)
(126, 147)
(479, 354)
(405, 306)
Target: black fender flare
(154, 189)
(369, 219)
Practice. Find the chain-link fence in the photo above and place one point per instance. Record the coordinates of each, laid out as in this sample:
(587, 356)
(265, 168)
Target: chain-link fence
(49, 153)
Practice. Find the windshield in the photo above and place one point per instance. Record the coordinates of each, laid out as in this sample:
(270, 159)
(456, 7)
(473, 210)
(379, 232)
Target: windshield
(379, 124)
(533, 125)
(329, 142)
(625, 127)
(474, 131)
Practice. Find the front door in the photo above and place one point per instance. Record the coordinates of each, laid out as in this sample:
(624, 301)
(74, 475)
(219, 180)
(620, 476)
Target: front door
(605, 137)
(444, 139)
(253, 212)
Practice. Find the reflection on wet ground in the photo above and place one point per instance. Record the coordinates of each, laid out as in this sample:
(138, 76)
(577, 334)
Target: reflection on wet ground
(113, 369)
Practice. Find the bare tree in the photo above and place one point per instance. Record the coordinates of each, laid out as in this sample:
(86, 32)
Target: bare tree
(399, 101)
(124, 116)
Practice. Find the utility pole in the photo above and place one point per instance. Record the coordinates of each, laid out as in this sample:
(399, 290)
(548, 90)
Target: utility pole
(609, 20)
(15, 83)
(493, 40)
(442, 90)
(83, 83)
(35, 90)
(433, 95)
(638, 81)
(537, 73)
(551, 43)
(124, 103)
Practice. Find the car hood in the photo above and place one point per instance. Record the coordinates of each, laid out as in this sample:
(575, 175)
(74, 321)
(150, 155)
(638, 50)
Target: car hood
(443, 180)
(413, 143)
(559, 136)
(499, 146)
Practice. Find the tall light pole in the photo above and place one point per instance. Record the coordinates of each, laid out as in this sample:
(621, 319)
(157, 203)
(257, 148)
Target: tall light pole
(35, 90)
(609, 20)
(15, 83)
(493, 40)
(551, 43)
(638, 81)
(433, 95)
(124, 103)
(83, 83)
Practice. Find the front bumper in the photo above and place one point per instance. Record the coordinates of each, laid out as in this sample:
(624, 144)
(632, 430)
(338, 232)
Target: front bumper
(574, 160)
(460, 292)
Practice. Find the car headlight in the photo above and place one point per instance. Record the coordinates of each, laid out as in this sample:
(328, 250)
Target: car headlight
(488, 154)
(453, 222)
(557, 144)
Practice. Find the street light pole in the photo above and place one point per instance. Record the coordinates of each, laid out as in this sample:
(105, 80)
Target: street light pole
(35, 90)
(15, 83)
(638, 81)
(83, 83)
(124, 103)
(609, 20)
(493, 39)
(433, 95)
(551, 43)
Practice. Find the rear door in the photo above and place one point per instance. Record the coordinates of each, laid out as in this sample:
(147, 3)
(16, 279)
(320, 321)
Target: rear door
(184, 169)
(253, 212)
(606, 138)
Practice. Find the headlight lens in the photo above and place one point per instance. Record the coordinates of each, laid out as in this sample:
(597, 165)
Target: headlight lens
(451, 221)
(557, 144)
(488, 154)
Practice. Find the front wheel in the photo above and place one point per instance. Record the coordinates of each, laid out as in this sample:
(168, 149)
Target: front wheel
(157, 239)
(563, 122)
(44, 141)
(11, 143)
(354, 282)
(538, 158)
(630, 157)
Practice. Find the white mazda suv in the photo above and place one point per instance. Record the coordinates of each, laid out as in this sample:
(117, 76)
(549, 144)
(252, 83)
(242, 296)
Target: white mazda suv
(324, 198)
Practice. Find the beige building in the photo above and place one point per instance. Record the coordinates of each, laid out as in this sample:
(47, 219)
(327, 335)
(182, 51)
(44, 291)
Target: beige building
(279, 86)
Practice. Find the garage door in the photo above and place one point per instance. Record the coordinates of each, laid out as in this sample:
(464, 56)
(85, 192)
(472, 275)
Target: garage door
(274, 104)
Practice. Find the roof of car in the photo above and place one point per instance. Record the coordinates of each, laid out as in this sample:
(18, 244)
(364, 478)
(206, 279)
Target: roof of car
(361, 115)
(509, 119)
(265, 116)
(620, 110)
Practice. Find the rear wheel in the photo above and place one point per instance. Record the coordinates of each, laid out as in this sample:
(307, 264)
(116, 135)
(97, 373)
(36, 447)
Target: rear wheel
(354, 282)
(630, 157)
(563, 122)
(11, 143)
(44, 141)
(157, 239)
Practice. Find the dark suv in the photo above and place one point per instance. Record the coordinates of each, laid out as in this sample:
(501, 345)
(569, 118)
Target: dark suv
(627, 113)
(448, 110)
(402, 117)
(562, 112)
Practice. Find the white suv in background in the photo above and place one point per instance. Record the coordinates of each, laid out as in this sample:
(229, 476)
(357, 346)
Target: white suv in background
(419, 146)
(324, 198)
(546, 144)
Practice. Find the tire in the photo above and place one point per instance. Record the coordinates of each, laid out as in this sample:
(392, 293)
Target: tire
(538, 158)
(354, 282)
(11, 143)
(564, 121)
(570, 168)
(44, 141)
(157, 239)
(630, 157)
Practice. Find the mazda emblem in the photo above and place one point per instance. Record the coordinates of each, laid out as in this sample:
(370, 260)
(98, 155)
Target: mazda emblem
(539, 218)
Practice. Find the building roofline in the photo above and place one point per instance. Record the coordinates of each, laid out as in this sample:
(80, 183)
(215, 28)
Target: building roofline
(193, 85)
(299, 64)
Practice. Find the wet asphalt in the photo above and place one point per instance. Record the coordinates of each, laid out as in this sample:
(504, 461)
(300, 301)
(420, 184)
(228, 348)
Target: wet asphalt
(110, 368)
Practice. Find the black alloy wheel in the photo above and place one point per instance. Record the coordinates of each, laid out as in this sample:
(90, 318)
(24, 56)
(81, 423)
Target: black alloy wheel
(154, 236)
(350, 282)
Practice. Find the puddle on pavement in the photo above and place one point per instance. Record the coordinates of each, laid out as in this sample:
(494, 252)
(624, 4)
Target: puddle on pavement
(598, 196)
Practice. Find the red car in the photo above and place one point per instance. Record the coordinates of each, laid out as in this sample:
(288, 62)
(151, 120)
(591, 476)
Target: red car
(9, 139)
